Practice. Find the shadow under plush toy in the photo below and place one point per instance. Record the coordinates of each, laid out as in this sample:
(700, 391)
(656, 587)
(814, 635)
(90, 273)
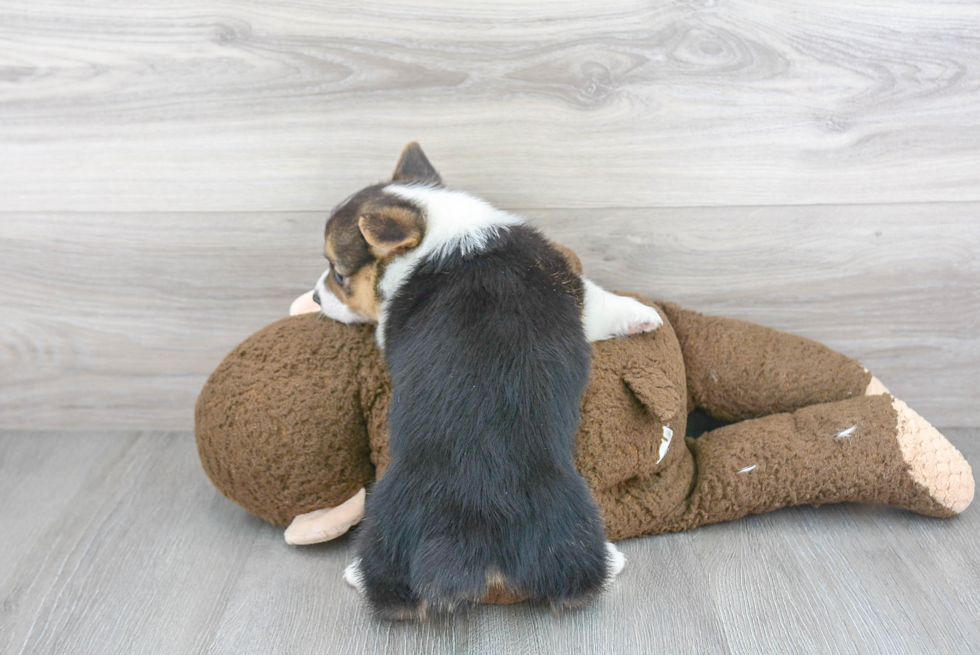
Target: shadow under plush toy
(291, 426)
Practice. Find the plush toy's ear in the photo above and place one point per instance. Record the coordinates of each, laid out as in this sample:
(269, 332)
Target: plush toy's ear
(655, 390)
(392, 229)
(414, 166)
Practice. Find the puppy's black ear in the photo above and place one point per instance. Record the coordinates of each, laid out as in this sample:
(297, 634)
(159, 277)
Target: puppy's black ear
(391, 230)
(414, 166)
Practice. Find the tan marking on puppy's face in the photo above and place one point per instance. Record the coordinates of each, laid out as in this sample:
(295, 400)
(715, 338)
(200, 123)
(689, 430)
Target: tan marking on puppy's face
(358, 291)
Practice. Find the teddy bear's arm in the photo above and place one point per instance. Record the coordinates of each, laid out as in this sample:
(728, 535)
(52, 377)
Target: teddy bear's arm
(738, 370)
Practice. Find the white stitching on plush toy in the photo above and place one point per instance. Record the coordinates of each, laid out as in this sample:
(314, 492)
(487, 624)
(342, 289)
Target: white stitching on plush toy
(849, 432)
(665, 443)
(748, 468)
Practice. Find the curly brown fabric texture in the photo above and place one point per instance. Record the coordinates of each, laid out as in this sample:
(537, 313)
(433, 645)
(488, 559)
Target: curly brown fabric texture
(738, 370)
(280, 425)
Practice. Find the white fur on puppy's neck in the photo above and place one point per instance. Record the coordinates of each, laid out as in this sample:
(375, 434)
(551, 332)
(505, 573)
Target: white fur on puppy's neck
(454, 222)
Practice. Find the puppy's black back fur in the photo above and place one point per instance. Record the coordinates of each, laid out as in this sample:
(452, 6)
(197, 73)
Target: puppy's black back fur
(488, 361)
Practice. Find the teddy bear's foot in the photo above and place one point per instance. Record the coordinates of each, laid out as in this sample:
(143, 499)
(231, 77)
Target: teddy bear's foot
(933, 462)
(304, 304)
(875, 387)
(326, 524)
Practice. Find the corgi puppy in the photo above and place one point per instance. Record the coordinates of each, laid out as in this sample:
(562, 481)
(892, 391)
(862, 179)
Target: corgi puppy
(485, 329)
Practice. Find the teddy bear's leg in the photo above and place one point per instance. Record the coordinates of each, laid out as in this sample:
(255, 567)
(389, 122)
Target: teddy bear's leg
(738, 370)
(304, 304)
(327, 523)
(871, 449)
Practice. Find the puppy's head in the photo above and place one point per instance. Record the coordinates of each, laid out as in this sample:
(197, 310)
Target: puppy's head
(364, 233)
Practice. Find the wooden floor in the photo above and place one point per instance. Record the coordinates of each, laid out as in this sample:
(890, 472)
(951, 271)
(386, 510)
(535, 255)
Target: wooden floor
(115, 542)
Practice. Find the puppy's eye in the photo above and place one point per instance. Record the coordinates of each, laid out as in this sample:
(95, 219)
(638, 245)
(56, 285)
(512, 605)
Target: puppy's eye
(338, 277)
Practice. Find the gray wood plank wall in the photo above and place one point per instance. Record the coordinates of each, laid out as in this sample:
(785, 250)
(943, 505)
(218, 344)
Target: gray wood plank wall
(165, 169)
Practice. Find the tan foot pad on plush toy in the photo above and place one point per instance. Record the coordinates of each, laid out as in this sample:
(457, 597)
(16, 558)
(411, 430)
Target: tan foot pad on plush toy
(326, 524)
(875, 387)
(304, 304)
(933, 461)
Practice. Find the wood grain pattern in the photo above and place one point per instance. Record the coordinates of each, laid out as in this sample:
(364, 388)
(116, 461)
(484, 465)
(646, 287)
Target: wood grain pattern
(117, 543)
(131, 564)
(116, 320)
(257, 106)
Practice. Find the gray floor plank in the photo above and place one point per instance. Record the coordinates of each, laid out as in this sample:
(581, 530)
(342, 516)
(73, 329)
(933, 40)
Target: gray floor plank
(141, 560)
(659, 607)
(254, 105)
(116, 320)
(40, 474)
(127, 548)
(294, 600)
(836, 580)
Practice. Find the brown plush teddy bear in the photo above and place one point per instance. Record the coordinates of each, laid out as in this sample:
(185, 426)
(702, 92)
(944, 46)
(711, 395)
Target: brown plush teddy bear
(291, 426)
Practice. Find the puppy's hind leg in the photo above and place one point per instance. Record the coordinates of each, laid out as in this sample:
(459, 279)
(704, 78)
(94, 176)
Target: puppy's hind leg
(616, 562)
(382, 575)
(567, 564)
(608, 315)
(387, 589)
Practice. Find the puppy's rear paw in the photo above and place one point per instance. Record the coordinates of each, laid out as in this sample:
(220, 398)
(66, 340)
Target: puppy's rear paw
(353, 575)
(616, 561)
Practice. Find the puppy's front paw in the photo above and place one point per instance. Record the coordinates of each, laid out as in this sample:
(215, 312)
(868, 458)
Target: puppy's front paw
(638, 318)
(608, 315)
(628, 316)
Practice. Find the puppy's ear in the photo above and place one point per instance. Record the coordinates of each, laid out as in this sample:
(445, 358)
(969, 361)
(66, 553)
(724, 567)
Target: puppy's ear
(414, 166)
(391, 230)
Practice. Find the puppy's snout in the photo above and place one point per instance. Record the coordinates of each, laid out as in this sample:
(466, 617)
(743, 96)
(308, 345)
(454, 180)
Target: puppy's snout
(316, 297)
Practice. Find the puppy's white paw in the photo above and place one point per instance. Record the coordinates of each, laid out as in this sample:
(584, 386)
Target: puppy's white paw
(353, 575)
(607, 315)
(616, 560)
(638, 318)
